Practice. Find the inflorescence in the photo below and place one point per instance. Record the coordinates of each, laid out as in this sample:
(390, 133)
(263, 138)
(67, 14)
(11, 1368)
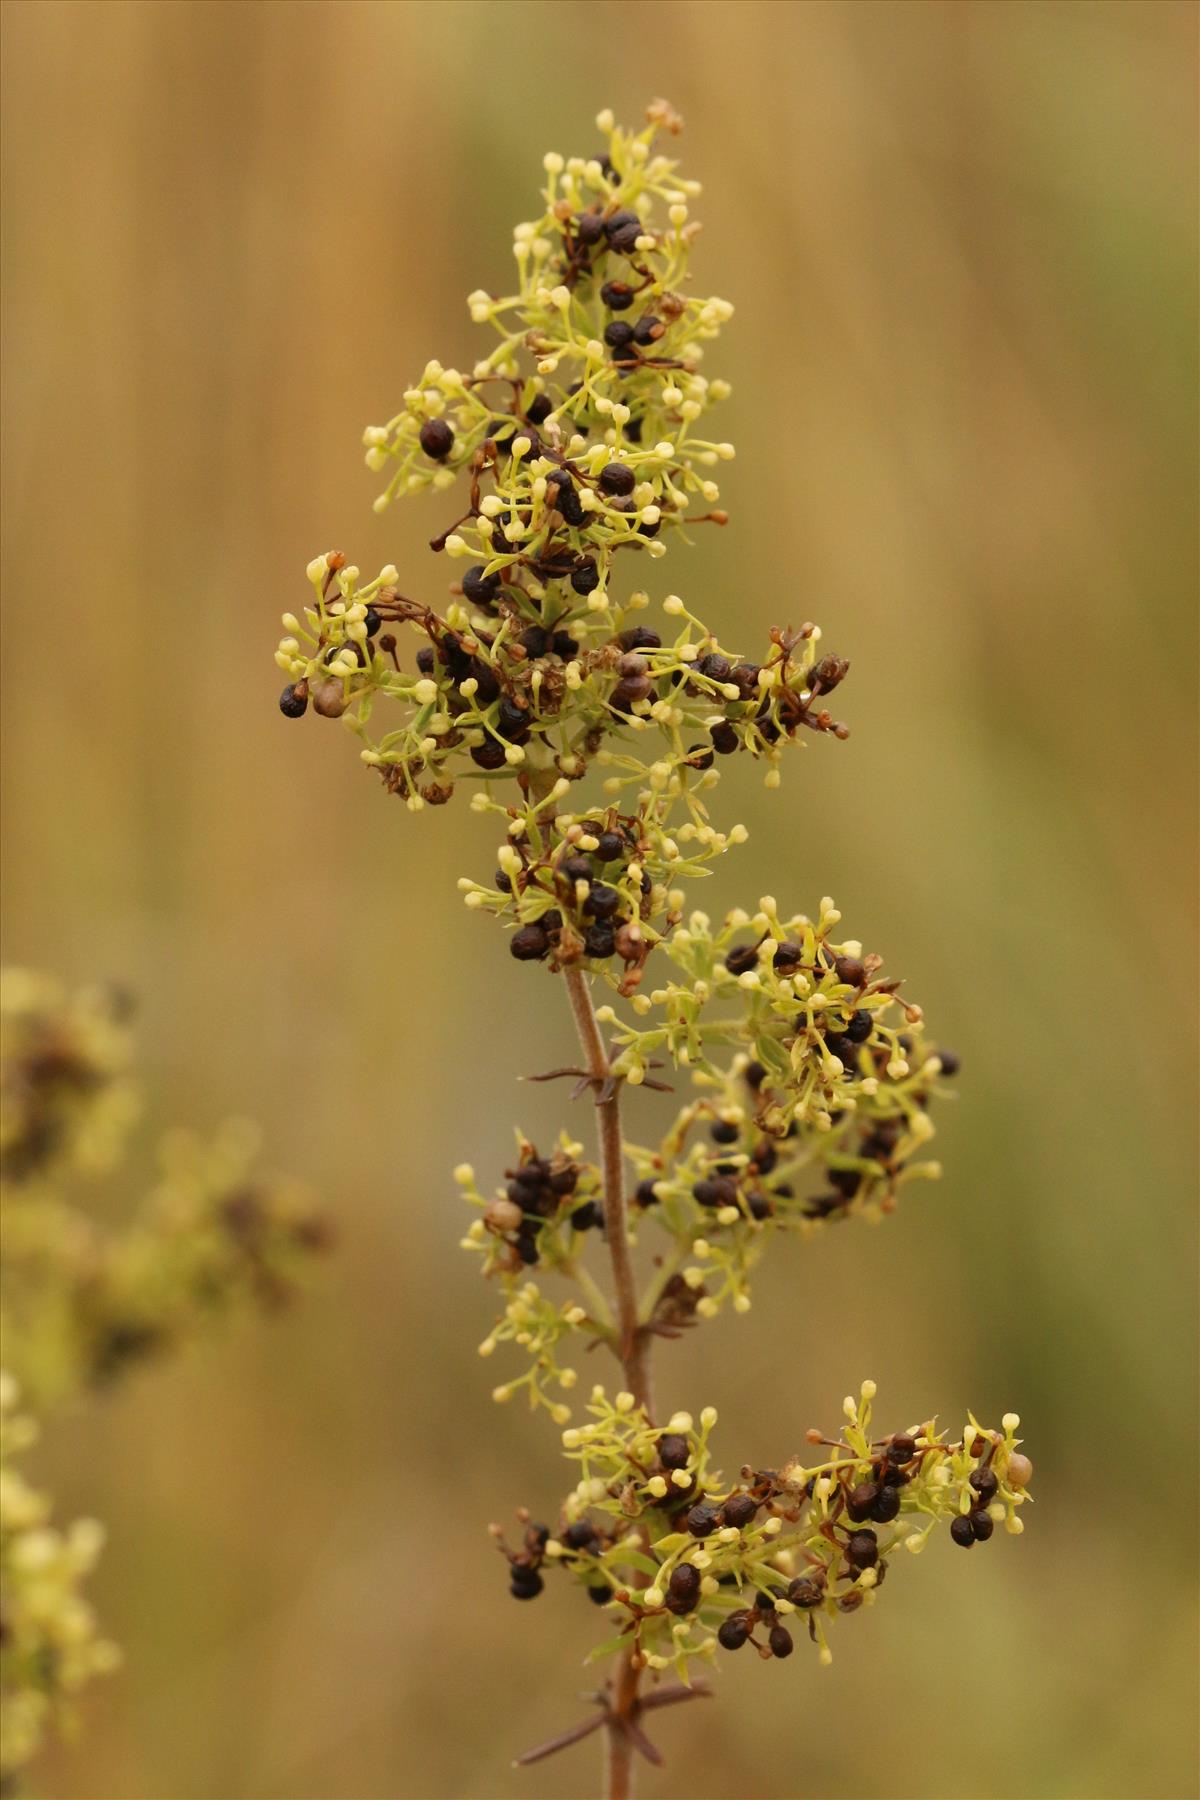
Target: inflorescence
(688, 1561)
(82, 1303)
(581, 447)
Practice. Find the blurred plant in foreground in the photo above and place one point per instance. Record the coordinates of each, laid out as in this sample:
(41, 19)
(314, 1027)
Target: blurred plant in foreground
(82, 1302)
(580, 441)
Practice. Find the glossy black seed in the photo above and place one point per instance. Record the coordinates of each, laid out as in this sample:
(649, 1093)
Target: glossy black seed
(562, 1181)
(617, 477)
(586, 578)
(720, 1191)
(745, 678)
(673, 1450)
(488, 755)
(526, 1247)
(617, 295)
(436, 438)
(985, 1484)
(760, 1207)
(564, 645)
(528, 1588)
(703, 1520)
(618, 334)
(850, 969)
(742, 958)
(862, 1552)
(647, 330)
(983, 1525)
(372, 621)
(487, 688)
(646, 529)
(951, 1064)
(587, 1217)
(684, 1583)
(724, 738)
(479, 587)
(580, 1535)
(740, 1509)
(860, 1026)
(511, 717)
(887, 1506)
(599, 940)
(589, 227)
(623, 229)
(780, 1640)
(640, 637)
(539, 408)
(724, 1131)
(502, 882)
(805, 1593)
(902, 1448)
(534, 640)
(603, 901)
(529, 943)
(861, 1500)
(599, 1595)
(962, 1531)
(716, 667)
(609, 846)
(293, 702)
(644, 1194)
(754, 1074)
(733, 1631)
(564, 496)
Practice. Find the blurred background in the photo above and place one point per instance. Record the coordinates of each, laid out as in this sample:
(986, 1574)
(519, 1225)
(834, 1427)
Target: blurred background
(961, 241)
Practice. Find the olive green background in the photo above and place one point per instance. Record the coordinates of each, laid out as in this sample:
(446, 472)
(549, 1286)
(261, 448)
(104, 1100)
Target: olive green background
(961, 242)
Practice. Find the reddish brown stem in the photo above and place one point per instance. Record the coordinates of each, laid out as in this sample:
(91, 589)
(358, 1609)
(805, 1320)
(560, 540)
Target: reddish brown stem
(633, 1342)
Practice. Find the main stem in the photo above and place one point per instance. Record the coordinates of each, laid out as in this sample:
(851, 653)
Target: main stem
(633, 1346)
(631, 1340)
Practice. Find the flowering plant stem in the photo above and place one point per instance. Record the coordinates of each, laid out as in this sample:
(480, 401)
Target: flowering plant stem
(632, 1342)
(593, 735)
(632, 1346)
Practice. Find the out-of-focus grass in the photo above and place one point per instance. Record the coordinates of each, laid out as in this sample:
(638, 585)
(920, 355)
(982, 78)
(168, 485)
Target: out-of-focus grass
(962, 245)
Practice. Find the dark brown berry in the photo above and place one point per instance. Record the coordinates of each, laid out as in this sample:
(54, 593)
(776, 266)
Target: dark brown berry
(733, 1631)
(861, 1500)
(963, 1531)
(780, 1640)
(617, 295)
(529, 943)
(673, 1451)
(740, 1510)
(862, 1551)
(985, 1484)
(437, 439)
(617, 478)
(293, 702)
(703, 1520)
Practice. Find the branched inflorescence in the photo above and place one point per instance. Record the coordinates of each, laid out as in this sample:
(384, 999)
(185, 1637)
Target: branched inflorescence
(592, 725)
(82, 1302)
